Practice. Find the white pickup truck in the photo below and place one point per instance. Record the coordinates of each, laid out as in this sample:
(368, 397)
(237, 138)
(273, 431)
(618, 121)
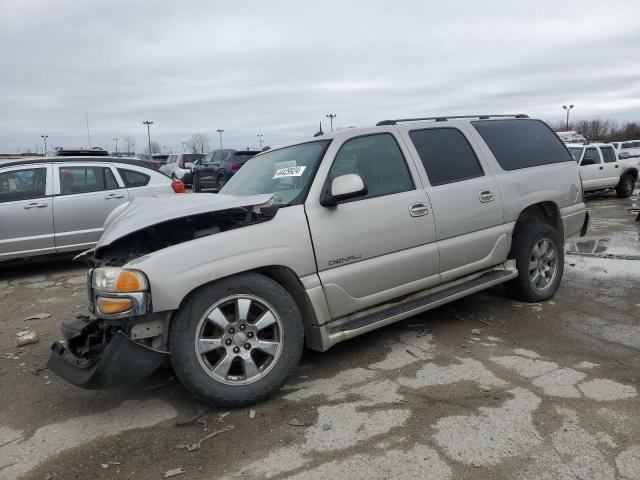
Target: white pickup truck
(601, 169)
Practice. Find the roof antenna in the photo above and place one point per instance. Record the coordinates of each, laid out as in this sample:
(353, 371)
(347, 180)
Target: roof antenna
(319, 132)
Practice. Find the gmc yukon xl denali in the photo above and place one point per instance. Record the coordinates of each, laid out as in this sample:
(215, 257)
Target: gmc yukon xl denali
(320, 241)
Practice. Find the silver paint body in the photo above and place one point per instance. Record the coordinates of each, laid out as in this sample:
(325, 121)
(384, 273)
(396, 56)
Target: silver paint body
(462, 228)
(59, 223)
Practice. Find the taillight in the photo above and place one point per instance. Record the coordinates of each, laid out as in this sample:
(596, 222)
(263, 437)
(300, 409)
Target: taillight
(177, 186)
(236, 166)
(181, 161)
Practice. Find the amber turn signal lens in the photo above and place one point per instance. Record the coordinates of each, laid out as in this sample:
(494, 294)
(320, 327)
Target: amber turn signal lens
(130, 282)
(112, 306)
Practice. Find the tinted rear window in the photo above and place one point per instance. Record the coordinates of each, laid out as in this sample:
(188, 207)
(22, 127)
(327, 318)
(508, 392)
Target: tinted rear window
(132, 178)
(446, 155)
(522, 143)
(192, 157)
(244, 156)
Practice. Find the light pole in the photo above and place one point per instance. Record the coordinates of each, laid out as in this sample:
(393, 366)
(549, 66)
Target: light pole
(568, 109)
(44, 139)
(220, 132)
(260, 139)
(148, 123)
(116, 140)
(331, 116)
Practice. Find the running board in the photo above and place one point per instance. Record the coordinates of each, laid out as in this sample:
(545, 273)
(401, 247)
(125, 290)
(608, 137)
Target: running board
(350, 327)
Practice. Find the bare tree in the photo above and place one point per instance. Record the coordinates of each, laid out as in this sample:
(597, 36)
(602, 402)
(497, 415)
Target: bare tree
(155, 148)
(198, 143)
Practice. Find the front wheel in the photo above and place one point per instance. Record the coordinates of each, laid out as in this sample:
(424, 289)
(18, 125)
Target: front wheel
(235, 342)
(538, 251)
(625, 186)
(220, 182)
(196, 185)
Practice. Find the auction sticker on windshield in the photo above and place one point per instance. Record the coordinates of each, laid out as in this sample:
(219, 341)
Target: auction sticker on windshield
(290, 172)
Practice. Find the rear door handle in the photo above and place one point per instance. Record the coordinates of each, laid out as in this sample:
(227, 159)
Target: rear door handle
(617, 166)
(600, 168)
(35, 205)
(418, 209)
(114, 195)
(486, 196)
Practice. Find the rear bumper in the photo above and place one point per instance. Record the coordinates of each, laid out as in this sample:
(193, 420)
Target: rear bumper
(120, 361)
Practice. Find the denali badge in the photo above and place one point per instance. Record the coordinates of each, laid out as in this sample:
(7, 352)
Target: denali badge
(350, 258)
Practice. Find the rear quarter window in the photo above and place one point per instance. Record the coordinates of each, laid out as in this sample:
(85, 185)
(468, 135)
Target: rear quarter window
(521, 143)
(132, 178)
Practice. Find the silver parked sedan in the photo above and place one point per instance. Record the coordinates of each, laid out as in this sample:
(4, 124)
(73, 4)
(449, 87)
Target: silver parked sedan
(51, 205)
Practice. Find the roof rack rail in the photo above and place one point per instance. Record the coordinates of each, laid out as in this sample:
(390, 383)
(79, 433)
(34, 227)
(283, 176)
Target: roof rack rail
(444, 119)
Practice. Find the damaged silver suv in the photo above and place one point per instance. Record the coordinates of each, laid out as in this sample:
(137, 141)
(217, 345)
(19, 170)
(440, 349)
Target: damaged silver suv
(317, 242)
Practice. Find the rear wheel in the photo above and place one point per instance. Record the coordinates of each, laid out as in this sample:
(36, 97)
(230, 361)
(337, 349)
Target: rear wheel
(538, 251)
(625, 186)
(235, 342)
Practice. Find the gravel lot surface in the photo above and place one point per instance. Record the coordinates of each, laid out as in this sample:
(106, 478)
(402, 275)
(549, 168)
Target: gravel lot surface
(482, 388)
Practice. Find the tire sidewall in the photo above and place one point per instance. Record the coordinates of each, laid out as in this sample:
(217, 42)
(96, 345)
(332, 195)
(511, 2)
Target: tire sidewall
(528, 238)
(183, 331)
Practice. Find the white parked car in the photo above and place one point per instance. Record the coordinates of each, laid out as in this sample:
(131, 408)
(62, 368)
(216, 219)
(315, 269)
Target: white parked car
(601, 169)
(178, 166)
(59, 204)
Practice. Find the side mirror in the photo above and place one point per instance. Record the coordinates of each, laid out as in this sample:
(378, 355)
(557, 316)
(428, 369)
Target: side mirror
(344, 187)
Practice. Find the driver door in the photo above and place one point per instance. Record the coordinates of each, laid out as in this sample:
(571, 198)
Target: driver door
(379, 246)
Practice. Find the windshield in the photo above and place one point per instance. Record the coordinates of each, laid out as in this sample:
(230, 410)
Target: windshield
(286, 173)
(576, 152)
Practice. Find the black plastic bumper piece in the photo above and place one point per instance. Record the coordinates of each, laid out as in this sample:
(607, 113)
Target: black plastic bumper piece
(122, 362)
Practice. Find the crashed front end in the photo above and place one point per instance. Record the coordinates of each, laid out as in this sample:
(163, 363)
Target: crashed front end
(124, 340)
(122, 344)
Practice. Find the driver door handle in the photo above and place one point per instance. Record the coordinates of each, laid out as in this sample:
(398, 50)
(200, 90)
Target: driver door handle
(418, 209)
(35, 205)
(114, 195)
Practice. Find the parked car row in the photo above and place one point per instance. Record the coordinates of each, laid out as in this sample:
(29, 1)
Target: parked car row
(59, 204)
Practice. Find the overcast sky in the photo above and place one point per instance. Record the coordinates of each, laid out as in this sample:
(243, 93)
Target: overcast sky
(278, 67)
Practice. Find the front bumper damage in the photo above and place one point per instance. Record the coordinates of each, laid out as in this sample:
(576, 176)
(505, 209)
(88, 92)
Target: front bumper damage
(95, 355)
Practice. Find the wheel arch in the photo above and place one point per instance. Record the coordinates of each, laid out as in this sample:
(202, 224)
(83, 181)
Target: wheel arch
(546, 212)
(282, 275)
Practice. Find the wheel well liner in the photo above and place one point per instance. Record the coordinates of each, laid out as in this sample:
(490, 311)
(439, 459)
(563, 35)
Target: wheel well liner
(543, 212)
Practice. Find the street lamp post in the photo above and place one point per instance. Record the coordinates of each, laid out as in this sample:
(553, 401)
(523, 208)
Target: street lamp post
(568, 109)
(260, 139)
(220, 132)
(44, 139)
(148, 123)
(116, 140)
(331, 116)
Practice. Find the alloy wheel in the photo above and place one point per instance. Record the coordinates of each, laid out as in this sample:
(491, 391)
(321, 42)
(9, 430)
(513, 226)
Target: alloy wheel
(239, 339)
(543, 264)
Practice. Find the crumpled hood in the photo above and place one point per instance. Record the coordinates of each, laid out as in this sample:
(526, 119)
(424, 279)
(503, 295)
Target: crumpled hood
(143, 212)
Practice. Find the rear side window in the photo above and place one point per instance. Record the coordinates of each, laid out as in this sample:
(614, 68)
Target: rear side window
(86, 179)
(22, 184)
(608, 154)
(132, 178)
(446, 155)
(522, 143)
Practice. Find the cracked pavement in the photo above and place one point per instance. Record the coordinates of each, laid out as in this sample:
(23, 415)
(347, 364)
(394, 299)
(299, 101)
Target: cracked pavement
(481, 388)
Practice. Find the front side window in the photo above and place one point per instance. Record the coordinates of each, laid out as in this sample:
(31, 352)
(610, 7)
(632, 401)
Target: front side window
(86, 179)
(608, 155)
(522, 143)
(23, 184)
(591, 157)
(446, 155)
(379, 162)
(576, 153)
(286, 173)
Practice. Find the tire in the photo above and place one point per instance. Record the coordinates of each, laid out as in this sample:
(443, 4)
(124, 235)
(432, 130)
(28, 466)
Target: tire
(527, 286)
(625, 186)
(196, 185)
(198, 322)
(220, 182)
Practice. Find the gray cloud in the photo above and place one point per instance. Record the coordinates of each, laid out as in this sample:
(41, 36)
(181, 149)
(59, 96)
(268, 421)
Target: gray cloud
(277, 67)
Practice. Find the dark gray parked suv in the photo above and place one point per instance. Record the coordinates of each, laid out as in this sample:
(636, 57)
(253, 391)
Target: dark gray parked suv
(214, 170)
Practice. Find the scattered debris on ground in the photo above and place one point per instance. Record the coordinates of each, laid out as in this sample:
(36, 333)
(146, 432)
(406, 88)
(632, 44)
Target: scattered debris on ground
(26, 337)
(294, 422)
(174, 472)
(196, 446)
(197, 418)
(252, 414)
(38, 316)
(158, 386)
